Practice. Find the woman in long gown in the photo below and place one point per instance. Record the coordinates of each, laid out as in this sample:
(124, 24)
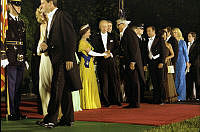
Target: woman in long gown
(182, 62)
(45, 70)
(89, 95)
(170, 89)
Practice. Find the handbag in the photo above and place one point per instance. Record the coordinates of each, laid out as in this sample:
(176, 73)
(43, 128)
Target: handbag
(170, 68)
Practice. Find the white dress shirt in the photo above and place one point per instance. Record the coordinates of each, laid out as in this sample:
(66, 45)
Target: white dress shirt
(50, 17)
(139, 36)
(14, 17)
(189, 46)
(104, 39)
(149, 48)
(168, 38)
(122, 33)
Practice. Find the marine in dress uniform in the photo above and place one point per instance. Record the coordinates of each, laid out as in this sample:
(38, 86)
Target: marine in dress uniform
(16, 54)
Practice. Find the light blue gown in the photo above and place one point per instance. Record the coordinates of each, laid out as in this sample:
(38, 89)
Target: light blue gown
(180, 82)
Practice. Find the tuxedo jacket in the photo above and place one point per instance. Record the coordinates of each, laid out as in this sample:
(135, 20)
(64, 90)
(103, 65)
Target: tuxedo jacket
(172, 40)
(158, 47)
(112, 45)
(194, 59)
(62, 38)
(62, 46)
(142, 43)
(130, 44)
(194, 54)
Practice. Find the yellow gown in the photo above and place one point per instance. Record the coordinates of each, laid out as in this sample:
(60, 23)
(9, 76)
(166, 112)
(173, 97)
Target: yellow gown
(89, 95)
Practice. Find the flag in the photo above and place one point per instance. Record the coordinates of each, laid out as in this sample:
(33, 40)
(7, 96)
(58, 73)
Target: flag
(4, 20)
(2, 79)
(121, 9)
(4, 27)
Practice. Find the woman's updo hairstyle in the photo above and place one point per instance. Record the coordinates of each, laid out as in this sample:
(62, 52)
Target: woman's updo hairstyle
(84, 29)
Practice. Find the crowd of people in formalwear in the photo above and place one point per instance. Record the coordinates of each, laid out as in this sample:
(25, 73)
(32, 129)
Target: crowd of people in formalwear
(114, 67)
(109, 68)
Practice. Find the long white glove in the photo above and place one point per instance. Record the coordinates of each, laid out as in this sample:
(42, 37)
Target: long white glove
(92, 53)
(38, 50)
(27, 65)
(77, 59)
(4, 63)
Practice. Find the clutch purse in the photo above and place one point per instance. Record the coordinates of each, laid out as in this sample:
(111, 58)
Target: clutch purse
(170, 68)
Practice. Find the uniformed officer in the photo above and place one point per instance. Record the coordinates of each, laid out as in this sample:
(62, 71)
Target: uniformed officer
(16, 55)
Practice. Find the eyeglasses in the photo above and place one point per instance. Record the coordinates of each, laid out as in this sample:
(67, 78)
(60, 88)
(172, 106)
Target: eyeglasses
(119, 24)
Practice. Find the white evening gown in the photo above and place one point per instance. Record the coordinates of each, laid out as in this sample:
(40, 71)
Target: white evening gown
(45, 73)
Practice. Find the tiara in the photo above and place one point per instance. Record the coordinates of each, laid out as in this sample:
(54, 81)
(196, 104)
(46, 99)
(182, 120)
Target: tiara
(84, 27)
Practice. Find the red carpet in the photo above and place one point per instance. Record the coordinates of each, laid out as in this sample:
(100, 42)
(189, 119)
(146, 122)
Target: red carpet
(27, 107)
(148, 114)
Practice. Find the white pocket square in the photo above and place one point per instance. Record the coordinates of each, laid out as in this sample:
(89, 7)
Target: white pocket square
(111, 41)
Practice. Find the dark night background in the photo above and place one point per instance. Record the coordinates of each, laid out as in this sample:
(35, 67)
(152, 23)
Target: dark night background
(184, 14)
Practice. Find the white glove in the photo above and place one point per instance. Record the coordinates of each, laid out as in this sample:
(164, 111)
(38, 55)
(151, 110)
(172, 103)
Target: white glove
(27, 65)
(77, 59)
(4, 63)
(92, 53)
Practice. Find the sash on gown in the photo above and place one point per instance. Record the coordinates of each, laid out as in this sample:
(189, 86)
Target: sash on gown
(87, 59)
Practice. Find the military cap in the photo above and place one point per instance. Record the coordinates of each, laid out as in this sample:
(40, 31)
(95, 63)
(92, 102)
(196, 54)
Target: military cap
(16, 2)
(140, 25)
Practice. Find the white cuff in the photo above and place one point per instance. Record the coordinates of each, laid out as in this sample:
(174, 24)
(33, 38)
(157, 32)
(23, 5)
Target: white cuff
(111, 55)
(27, 65)
(156, 56)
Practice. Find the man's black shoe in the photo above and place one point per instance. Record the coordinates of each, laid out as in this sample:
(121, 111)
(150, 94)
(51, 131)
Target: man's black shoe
(64, 123)
(12, 117)
(119, 104)
(41, 123)
(50, 125)
(131, 106)
(46, 124)
(107, 105)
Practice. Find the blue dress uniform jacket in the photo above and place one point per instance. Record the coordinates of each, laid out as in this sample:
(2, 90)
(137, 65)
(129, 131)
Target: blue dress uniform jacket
(16, 42)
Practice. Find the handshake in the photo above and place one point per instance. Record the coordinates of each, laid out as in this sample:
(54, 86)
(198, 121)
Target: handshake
(107, 54)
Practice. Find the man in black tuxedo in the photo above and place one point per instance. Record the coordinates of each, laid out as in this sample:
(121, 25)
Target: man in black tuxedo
(155, 59)
(172, 40)
(139, 30)
(194, 60)
(61, 47)
(107, 69)
(133, 63)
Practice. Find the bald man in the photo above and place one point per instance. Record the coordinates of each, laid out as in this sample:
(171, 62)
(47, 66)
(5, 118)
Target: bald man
(107, 70)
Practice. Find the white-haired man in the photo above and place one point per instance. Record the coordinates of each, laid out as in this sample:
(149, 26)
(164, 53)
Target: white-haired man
(133, 63)
(106, 66)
